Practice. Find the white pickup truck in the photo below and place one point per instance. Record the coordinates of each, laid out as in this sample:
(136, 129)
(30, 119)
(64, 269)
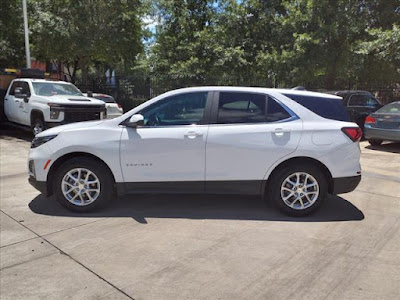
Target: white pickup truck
(41, 104)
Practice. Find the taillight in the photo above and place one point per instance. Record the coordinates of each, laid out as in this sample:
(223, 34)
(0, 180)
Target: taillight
(370, 120)
(354, 133)
(119, 105)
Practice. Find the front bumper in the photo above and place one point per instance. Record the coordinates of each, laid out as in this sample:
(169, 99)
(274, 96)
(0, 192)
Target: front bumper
(343, 185)
(41, 186)
(382, 134)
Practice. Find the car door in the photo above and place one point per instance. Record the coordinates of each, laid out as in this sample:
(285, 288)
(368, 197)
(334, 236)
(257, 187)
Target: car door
(248, 133)
(24, 104)
(11, 104)
(167, 153)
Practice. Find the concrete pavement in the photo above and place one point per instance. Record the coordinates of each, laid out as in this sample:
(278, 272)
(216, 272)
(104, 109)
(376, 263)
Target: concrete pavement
(196, 247)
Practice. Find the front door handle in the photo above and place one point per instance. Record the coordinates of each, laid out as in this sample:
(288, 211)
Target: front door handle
(192, 135)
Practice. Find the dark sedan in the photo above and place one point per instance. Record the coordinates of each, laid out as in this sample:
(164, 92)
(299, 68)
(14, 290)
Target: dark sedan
(383, 125)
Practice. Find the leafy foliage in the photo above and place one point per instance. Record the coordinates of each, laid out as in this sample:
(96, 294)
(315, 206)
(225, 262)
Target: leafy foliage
(316, 43)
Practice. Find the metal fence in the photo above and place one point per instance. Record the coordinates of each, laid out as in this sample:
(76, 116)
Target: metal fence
(131, 91)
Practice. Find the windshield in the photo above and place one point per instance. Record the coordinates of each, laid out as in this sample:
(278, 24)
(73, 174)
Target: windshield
(54, 88)
(391, 108)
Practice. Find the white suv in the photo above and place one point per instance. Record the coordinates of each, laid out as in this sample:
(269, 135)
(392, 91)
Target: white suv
(214, 140)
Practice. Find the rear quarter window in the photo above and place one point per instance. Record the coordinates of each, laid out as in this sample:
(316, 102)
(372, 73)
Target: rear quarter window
(329, 108)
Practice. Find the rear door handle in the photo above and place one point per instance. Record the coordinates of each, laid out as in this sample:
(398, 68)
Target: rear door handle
(280, 132)
(192, 135)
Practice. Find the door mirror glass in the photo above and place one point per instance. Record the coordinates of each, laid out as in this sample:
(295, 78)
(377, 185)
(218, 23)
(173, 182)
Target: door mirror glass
(135, 121)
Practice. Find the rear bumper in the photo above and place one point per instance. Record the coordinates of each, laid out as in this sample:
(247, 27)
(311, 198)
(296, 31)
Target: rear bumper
(41, 186)
(382, 134)
(343, 185)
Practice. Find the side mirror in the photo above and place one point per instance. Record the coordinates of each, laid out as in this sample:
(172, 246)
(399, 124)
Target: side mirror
(90, 94)
(135, 121)
(19, 94)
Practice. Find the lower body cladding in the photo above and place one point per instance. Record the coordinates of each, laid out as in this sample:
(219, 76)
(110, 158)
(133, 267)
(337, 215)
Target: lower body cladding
(382, 134)
(241, 187)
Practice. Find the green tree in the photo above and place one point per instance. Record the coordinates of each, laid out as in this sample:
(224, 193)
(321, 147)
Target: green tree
(82, 32)
(12, 47)
(185, 37)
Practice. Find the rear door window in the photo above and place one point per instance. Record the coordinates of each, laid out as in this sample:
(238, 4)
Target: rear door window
(238, 107)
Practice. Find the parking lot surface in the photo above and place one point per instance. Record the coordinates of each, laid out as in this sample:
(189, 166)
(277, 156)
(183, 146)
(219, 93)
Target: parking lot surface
(200, 247)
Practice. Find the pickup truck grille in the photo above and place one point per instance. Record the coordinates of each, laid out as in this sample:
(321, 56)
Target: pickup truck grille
(79, 113)
(81, 116)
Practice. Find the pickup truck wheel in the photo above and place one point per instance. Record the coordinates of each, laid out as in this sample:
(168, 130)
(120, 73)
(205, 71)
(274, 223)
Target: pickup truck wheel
(298, 190)
(38, 125)
(83, 184)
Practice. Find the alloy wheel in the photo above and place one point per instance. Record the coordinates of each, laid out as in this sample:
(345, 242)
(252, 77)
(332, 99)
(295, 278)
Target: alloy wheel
(299, 190)
(80, 186)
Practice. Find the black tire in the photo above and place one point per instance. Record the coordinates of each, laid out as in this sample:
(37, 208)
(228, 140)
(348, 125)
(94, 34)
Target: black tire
(280, 177)
(375, 142)
(38, 125)
(101, 172)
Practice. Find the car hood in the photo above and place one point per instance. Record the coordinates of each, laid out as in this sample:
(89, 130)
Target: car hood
(79, 125)
(69, 99)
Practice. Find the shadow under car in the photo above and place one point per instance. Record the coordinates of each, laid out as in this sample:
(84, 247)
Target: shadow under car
(140, 207)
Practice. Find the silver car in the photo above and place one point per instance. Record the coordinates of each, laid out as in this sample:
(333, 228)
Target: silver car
(383, 125)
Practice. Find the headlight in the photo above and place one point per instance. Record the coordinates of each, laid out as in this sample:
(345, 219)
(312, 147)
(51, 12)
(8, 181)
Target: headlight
(54, 110)
(37, 141)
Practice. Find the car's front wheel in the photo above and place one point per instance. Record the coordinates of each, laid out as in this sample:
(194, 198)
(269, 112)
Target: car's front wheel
(83, 184)
(38, 125)
(298, 190)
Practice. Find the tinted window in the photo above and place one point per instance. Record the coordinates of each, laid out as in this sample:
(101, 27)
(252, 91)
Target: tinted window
(275, 112)
(362, 100)
(248, 108)
(25, 88)
(13, 87)
(20, 84)
(329, 108)
(184, 109)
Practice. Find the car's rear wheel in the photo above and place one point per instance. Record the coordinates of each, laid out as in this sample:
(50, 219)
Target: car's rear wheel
(375, 142)
(298, 190)
(83, 184)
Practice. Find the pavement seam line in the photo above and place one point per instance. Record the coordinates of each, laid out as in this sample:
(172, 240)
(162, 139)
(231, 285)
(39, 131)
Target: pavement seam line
(66, 254)
(16, 243)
